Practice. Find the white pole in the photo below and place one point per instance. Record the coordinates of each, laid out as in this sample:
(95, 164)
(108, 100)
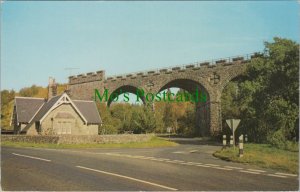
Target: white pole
(233, 139)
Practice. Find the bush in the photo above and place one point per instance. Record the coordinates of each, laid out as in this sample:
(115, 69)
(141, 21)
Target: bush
(292, 146)
(277, 139)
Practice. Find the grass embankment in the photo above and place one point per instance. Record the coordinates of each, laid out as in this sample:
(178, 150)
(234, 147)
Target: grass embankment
(153, 142)
(263, 155)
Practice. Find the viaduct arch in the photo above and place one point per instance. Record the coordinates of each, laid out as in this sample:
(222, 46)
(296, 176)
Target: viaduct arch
(211, 77)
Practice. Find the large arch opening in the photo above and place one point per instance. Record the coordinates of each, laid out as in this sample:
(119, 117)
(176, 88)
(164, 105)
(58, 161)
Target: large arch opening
(125, 89)
(199, 118)
(233, 105)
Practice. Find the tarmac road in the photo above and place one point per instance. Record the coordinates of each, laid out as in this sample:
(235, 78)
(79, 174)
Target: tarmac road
(185, 167)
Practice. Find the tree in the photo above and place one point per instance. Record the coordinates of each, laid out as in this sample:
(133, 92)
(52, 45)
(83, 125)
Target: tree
(7, 100)
(268, 98)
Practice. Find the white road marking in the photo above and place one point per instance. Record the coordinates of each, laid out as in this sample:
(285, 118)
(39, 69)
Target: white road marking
(171, 161)
(157, 159)
(198, 163)
(193, 151)
(203, 166)
(250, 172)
(209, 165)
(130, 156)
(178, 161)
(233, 167)
(88, 152)
(178, 152)
(192, 163)
(256, 170)
(130, 178)
(31, 157)
(186, 164)
(115, 154)
(189, 163)
(138, 156)
(222, 168)
(282, 176)
(146, 158)
(213, 165)
(286, 174)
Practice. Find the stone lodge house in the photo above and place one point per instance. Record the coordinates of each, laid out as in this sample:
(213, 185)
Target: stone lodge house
(56, 116)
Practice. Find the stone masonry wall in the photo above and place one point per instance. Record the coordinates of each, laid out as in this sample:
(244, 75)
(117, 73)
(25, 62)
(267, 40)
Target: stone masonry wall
(78, 139)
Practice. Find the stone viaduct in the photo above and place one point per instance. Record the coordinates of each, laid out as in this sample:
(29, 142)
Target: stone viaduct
(210, 77)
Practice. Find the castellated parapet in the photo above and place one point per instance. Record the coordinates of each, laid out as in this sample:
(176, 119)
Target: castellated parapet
(82, 86)
(88, 77)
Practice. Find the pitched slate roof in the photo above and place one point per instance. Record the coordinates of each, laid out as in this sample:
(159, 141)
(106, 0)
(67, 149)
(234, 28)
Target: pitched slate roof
(46, 107)
(87, 109)
(26, 107)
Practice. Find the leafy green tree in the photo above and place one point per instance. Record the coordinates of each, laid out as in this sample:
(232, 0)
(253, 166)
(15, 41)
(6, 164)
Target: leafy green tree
(7, 99)
(29, 91)
(268, 99)
(186, 122)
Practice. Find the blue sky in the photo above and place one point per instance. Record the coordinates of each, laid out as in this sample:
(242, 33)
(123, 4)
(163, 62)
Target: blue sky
(41, 39)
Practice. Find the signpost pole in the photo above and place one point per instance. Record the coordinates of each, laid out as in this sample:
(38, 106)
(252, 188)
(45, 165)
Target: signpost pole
(224, 141)
(233, 139)
(241, 146)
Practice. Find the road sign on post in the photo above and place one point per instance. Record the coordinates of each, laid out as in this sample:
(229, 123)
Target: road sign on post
(233, 123)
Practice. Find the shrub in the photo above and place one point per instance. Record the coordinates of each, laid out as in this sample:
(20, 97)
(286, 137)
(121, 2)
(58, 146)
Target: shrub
(277, 139)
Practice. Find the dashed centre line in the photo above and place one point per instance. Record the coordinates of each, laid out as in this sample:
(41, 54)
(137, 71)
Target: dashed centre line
(233, 167)
(213, 165)
(286, 174)
(274, 175)
(155, 159)
(227, 169)
(178, 152)
(171, 161)
(256, 170)
(208, 165)
(203, 166)
(252, 172)
(138, 156)
(192, 163)
(146, 158)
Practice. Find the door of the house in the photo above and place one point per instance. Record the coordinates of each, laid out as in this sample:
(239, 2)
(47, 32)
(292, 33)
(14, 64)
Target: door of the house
(64, 127)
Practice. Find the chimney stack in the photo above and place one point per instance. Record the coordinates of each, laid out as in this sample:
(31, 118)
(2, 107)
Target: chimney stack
(52, 88)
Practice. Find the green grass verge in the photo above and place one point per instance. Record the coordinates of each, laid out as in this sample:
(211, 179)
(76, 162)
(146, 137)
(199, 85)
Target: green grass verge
(263, 155)
(153, 142)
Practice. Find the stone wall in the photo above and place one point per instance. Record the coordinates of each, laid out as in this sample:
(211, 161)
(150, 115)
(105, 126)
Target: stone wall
(78, 139)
